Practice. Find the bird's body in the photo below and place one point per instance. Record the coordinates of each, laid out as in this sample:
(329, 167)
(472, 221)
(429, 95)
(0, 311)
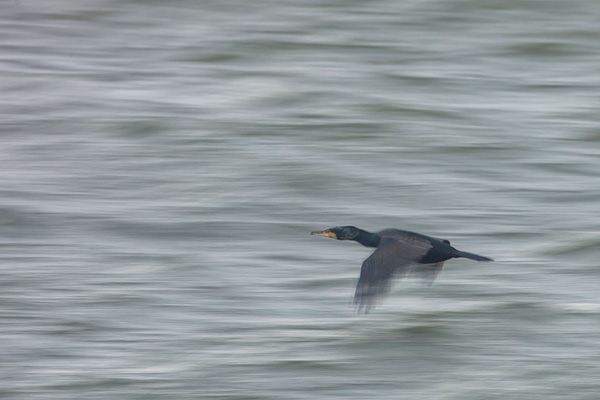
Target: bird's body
(399, 253)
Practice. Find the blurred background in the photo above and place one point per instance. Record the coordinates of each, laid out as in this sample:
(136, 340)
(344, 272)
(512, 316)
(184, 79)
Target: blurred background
(163, 162)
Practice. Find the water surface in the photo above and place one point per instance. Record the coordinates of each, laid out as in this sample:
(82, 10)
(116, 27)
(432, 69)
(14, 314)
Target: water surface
(162, 165)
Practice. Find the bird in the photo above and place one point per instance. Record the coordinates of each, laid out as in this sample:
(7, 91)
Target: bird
(398, 253)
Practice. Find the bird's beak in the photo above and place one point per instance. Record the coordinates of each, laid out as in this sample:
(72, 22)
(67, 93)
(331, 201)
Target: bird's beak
(325, 233)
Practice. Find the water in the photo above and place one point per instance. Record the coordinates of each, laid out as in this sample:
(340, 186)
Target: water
(162, 165)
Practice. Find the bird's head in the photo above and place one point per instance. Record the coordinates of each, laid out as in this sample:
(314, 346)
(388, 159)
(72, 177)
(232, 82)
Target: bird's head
(340, 232)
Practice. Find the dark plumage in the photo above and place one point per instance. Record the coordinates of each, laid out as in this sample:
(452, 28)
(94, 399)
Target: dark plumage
(399, 253)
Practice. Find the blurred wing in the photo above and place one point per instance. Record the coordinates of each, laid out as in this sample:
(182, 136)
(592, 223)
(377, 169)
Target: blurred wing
(426, 272)
(392, 257)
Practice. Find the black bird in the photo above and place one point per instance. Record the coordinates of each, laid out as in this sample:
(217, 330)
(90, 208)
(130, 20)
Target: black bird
(398, 253)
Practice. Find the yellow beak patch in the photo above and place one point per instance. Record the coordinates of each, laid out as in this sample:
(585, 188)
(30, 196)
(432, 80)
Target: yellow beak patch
(325, 233)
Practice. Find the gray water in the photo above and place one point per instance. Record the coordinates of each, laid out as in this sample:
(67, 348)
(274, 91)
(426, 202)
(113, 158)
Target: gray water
(163, 162)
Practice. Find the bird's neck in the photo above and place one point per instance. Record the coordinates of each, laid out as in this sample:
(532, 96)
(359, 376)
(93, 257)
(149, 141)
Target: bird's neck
(368, 239)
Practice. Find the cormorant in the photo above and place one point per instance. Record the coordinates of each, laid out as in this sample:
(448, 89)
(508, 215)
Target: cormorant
(399, 253)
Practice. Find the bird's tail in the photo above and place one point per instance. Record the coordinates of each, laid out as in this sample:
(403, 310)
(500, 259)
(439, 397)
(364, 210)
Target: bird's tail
(472, 256)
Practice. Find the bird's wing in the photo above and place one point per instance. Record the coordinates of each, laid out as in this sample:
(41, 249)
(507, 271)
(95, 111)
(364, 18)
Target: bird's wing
(427, 272)
(392, 257)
